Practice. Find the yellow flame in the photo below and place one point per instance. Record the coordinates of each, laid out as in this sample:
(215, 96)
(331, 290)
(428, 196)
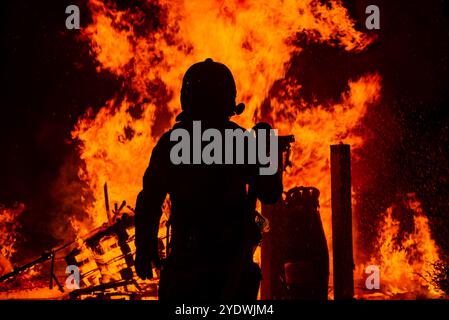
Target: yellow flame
(407, 264)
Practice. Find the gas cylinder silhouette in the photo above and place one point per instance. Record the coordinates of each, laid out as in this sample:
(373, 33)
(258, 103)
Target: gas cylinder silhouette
(297, 253)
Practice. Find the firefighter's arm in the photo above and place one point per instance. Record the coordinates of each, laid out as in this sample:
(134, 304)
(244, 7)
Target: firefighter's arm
(268, 188)
(148, 214)
(267, 181)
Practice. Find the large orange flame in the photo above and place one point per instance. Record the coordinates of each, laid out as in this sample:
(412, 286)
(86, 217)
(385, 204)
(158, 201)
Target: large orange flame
(254, 38)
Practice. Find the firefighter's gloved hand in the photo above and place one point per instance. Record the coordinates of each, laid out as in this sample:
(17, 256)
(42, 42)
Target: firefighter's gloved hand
(144, 264)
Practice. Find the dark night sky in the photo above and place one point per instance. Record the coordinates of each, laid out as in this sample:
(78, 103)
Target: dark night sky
(48, 81)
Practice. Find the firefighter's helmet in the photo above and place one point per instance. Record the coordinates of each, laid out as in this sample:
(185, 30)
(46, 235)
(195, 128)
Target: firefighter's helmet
(208, 91)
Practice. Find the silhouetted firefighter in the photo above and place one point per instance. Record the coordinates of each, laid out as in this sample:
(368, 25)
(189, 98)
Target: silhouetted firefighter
(212, 215)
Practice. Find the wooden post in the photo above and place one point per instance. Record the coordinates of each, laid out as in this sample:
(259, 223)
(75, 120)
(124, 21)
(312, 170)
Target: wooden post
(343, 261)
(106, 202)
